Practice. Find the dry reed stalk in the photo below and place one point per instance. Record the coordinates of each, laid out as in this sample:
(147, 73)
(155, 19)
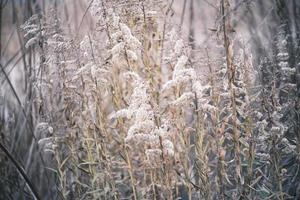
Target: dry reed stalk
(228, 44)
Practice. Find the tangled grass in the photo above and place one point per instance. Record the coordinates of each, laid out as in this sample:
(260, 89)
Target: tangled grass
(126, 108)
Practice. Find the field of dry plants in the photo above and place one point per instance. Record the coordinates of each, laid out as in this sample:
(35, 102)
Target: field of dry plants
(149, 99)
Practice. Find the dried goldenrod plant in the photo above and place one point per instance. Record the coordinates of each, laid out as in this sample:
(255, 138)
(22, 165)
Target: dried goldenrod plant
(125, 99)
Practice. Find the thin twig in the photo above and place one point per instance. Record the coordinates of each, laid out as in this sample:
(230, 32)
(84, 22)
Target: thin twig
(21, 171)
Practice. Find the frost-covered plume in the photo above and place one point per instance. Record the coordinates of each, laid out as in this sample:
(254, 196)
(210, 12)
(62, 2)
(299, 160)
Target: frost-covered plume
(33, 31)
(87, 47)
(126, 48)
(178, 47)
(143, 129)
(181, 75)
(96, 8)
(282, 48)
(203, 95)
(287, 68)
(91, 70)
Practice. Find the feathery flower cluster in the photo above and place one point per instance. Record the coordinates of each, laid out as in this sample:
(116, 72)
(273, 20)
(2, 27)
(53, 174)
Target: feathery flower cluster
(181, 75)
(125, 45)
(184, 99)
(203, 97)
(32, 31)
(144, 131)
